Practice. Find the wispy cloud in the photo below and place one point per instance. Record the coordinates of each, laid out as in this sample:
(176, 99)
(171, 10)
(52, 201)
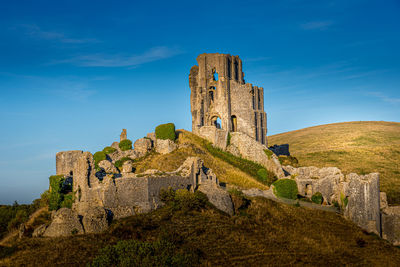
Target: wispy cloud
(117, 60)
(385, 98)
(316, 25)
(35, 31)
(74, 91)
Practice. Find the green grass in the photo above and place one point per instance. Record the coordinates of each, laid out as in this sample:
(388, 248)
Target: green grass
(361, 147)
(286, 188)
(317, 198)
(109, 150)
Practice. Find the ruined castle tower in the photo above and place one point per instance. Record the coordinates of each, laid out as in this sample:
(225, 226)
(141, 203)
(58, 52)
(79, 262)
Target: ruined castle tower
(221, 98)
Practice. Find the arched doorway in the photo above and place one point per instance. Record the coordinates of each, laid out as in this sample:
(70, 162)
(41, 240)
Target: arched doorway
(234, 123)
(216, 121)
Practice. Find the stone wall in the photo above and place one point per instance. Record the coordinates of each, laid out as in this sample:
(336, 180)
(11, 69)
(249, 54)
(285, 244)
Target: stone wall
(65, 161)
(252, 150)
(216, 136)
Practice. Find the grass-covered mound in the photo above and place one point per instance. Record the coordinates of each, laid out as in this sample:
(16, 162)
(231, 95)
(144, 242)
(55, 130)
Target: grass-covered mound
(264, 233)
(286, 188)
(362, 147)
(166, 131)
(109, 150)
(317, 198)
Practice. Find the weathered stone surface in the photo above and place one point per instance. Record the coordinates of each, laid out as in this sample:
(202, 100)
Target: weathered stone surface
(127, 166)
(165, 146)
(152, 136)
(65, 222)
(239, 105)
(363, 200)
(217, 196)
(39, 231)
(21, 230)
(253, 150)
(65, 161)
(123, 135)
(143, 146)
(108, 167)
(115, 145)
(95, 220)
(280, 150)
(233, 150)
(216, 136)
(391, 225)
(383, 201)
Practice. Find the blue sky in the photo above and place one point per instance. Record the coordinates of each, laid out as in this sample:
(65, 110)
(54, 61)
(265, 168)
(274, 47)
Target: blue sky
(73, 74)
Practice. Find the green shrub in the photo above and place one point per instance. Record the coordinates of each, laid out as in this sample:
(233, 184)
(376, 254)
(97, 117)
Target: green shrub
(56, 196)
(288, 160)
(146, 254)
(183, 199)
(120, 162)
(99, 156)
(166, 131)
(317, 198)
(228, 140)
(68, 199)
(109, 150)
(269, 153)
(265, 176)
(125, 145)
(247, 166)
(285, 188)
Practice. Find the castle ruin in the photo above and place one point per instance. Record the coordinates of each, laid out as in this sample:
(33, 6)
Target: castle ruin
(221, 100)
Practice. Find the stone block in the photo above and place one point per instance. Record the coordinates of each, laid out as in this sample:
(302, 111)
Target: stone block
(143, 146)
(165, 146)
(65, 161)
(65, 222)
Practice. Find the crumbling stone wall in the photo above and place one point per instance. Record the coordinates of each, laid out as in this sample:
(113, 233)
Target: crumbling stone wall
(218, 90)
(65, 161)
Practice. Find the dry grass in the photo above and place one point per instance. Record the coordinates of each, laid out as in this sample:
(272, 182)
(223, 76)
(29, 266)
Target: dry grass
(360, 147)
(266, 233)
(193, 146)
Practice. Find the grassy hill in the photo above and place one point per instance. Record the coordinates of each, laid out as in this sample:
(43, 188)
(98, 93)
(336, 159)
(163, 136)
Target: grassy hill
(361, 147)
(263, 233)
(189, 231)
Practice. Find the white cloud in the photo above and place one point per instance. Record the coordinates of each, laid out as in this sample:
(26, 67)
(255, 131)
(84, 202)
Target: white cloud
(35, 31)
(385, 98)
(316, 25)
(116, 60)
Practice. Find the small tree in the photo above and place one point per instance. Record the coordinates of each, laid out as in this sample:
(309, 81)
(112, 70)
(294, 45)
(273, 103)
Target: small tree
(166, 131)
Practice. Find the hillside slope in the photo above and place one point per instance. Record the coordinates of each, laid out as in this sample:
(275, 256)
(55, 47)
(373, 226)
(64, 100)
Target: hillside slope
(361, 147)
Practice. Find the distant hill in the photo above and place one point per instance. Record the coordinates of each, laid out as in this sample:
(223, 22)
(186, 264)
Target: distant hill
(361, 147)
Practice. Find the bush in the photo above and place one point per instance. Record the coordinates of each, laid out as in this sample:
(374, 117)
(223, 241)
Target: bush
(99, 156)
(166, 131)
(183, 199)
(269, 153)
(286, 188)
(56, 196)
(288, 160)
(139, 253)
(317, 198)
(67, 201)
(266, 176)
(125, 145)
(120, 162)
(109, 150)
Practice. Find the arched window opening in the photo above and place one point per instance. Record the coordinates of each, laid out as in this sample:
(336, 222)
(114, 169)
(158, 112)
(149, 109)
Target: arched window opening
(215, 75)
(234, 123)
(211, 95)
(308, 190)
(236, 71)
(216, 121)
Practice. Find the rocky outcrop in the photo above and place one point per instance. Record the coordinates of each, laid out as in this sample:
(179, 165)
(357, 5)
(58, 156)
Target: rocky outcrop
(127, 166)
(219, 197)
(39, 231)
(391, 224)
(123, 135)
(108, 167)
(165, 146)
(252, 150)
(95, 220)
(64, 223)
(143, 146)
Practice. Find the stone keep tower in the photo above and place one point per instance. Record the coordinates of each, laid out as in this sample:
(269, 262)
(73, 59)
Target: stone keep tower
(221, 98)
